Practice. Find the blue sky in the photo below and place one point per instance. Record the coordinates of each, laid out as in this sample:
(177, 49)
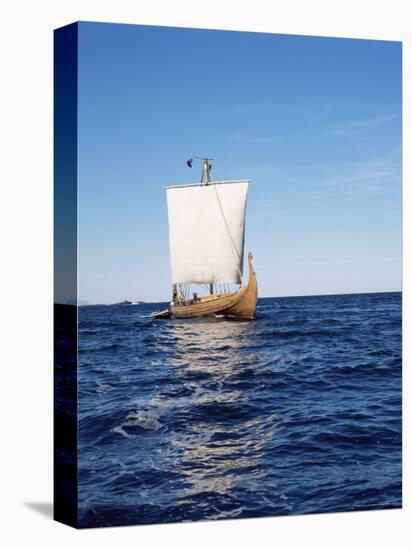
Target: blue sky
(314, 122)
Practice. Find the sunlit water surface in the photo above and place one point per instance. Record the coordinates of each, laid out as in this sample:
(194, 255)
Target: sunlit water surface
(296, 412)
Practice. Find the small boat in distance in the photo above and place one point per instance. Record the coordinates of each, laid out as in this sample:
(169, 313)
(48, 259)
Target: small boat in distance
(206, 238)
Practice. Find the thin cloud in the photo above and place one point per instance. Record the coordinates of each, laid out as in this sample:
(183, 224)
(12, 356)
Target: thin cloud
(348, 128)
(372, 177)
(254, 139)
(330, 261)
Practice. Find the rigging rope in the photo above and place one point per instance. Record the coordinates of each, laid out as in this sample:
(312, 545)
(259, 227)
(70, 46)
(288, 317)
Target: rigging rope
(228, 230)
(226, 224)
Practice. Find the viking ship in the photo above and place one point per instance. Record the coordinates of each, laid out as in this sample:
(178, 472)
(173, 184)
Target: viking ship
(206, 239)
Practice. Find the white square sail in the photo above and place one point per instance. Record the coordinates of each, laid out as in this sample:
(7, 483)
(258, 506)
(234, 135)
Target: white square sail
(206, 231)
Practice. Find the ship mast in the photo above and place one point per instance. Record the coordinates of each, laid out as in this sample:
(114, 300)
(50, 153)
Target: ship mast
(207, 168)
(206, 179)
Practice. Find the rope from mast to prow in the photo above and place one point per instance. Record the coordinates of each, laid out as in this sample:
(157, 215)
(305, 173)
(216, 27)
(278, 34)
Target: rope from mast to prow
(206, 179)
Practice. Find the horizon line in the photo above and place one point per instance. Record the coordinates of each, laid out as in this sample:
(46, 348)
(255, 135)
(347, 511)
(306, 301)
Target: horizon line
(141, 302)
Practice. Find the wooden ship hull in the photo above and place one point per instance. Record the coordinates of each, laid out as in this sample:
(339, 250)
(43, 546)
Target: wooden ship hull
(240, 305)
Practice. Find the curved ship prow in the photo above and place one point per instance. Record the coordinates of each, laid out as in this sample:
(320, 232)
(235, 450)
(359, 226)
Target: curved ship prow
(240, 305)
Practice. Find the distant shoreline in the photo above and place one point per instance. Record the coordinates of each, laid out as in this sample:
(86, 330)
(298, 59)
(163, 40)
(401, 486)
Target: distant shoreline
(143, 302)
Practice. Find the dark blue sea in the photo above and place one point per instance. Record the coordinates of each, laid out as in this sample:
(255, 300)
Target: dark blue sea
(296, 412)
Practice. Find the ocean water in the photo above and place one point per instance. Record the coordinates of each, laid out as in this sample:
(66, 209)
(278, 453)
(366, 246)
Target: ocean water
(296, 412)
